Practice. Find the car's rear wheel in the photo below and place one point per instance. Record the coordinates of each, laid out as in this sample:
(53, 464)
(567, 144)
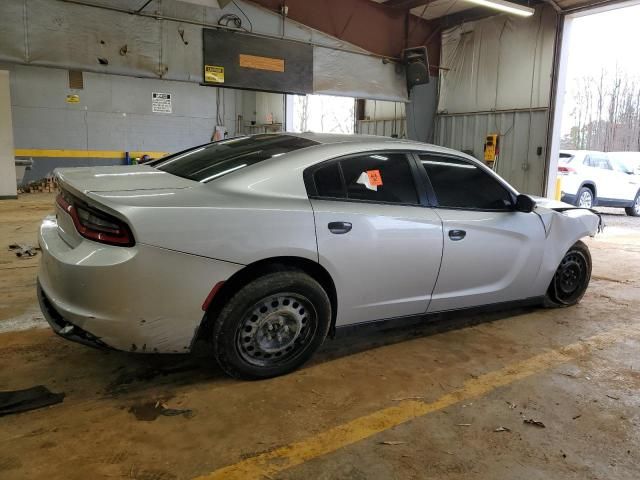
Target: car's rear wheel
(585, 198)
(272, 325)
(634, 211)
(571, 279)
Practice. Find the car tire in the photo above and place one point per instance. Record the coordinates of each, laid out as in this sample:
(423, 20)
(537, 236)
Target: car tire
(634, 211)
(585, 198)
(571, 279)
(271, 326)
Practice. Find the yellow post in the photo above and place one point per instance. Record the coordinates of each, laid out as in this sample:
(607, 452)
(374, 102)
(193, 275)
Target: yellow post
(558, 187)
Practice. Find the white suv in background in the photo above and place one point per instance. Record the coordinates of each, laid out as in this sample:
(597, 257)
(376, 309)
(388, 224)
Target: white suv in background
(595, 178)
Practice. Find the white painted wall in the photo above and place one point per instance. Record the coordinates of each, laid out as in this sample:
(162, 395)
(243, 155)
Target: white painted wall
(267, 105)
(7, 161)
(382, 110)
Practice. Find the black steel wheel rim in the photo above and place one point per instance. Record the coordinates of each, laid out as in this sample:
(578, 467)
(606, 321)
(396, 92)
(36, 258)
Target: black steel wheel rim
(276, 329)
(571, 276)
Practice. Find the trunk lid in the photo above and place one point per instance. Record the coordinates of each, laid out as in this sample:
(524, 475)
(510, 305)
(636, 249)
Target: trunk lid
(119, 178)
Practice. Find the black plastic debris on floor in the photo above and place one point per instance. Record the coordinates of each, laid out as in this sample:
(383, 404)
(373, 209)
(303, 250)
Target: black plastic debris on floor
(17, 401)
(24, 250)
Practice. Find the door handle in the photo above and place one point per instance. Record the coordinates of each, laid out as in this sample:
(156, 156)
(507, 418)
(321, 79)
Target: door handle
(456, 235)
(339, 227)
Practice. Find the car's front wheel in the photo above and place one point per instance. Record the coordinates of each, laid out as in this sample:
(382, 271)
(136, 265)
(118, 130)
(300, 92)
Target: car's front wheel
(634, 210)
(272, 325)
(571, 279)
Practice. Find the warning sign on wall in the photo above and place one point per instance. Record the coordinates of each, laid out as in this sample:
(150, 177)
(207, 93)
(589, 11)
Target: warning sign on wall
(213, 74)
(161, 102)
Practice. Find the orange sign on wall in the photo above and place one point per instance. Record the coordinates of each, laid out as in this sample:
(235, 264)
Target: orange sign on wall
(262, 63)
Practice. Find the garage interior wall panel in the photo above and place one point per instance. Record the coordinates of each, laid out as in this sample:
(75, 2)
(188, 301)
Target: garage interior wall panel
(521, 134)
(415, 117)
(499, 63)
(58, 34)
(7, 164)
(12, 32)
(359, 76)
(75, 36)
(114, 114)
(498, 80)
(383, 128)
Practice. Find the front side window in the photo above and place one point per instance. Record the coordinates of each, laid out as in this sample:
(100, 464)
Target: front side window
(460, 184)
(375, 177)
(208, 162)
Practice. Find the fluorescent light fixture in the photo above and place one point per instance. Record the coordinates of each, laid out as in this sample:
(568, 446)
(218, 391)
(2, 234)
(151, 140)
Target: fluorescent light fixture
(503, 6)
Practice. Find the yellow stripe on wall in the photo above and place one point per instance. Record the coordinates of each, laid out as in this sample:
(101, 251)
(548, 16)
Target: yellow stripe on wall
(83, 153)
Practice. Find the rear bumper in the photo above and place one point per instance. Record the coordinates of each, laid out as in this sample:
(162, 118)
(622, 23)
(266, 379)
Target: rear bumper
(65, 328)
(141, 298)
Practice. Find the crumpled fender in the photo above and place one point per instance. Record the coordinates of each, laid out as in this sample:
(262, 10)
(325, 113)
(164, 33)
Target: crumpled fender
(564, 225)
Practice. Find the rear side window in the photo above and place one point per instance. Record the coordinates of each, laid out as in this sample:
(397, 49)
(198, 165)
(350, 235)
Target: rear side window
(459, 184)
(379, 177)
(328, 181)
(597, 161)
(208, 162)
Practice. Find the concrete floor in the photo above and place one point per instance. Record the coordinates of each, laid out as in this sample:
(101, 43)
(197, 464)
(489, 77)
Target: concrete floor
(415, 403)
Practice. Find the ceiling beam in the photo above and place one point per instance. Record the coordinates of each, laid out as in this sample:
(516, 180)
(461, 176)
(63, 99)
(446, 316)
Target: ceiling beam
(369, 25)
(405, 4)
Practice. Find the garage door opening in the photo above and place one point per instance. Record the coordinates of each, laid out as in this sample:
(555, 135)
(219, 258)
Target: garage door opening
(320, 114)
(598, 95)
(602, 99)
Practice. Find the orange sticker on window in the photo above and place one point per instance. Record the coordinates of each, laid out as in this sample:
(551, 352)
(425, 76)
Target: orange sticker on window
(374, 178)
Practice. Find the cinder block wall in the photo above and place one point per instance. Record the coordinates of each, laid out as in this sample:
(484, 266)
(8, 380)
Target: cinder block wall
(113, 115)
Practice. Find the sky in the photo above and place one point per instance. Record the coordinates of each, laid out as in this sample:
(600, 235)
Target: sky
(602, 40)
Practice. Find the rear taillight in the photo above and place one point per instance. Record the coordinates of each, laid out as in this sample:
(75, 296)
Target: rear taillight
(566, 170)
(94, 224)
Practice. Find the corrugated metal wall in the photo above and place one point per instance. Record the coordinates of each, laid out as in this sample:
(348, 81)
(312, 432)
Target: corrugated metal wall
(498, 80)
(384, 128)
(522, 142)
(414, 120)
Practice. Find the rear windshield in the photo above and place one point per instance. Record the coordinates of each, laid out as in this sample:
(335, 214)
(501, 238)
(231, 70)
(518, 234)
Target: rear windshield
(214, 160)
(566, 157)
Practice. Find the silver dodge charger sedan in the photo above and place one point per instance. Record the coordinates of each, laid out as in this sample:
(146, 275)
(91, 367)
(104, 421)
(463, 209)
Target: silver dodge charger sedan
(263, 245)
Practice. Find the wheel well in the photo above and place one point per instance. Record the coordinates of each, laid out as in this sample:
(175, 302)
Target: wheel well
(258, 269)
(590, 186)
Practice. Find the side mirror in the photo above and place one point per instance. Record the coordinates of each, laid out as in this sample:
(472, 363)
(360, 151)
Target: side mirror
(525, 204)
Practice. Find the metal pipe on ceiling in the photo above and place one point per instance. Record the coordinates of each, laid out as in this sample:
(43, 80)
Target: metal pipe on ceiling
(554, 5)
(223, 27)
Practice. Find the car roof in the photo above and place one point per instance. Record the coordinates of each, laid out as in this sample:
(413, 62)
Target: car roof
(329, 138)
(372, 141)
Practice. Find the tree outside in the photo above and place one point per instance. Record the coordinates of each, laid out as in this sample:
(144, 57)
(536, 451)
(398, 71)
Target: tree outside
(323, 114)
(602, 101)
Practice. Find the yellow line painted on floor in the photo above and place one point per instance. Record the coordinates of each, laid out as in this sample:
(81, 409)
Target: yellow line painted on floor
(40, 153)
(272, 462)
